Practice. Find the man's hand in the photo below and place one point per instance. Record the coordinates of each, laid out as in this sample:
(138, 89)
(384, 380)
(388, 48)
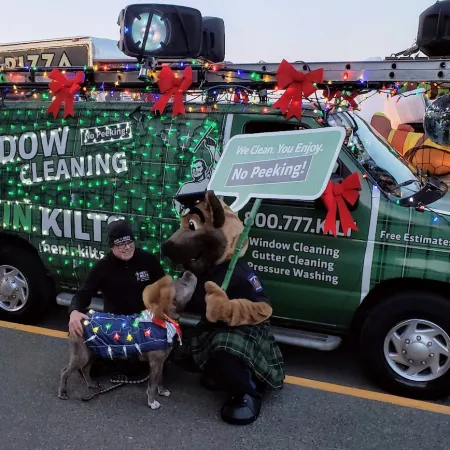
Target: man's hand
(75, 326)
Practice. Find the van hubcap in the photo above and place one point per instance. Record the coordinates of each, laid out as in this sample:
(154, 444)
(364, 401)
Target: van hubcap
(13, 289)
(418, 350)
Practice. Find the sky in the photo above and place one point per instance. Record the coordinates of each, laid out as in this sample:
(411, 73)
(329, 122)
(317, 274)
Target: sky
(307, 30)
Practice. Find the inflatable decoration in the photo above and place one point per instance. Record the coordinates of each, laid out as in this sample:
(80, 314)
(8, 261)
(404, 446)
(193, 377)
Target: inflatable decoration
(415, 146)
(436, 121)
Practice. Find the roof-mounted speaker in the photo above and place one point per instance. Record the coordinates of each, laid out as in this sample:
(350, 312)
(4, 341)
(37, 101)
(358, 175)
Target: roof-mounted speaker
(160, 31)
(213, 39)
(433, 38)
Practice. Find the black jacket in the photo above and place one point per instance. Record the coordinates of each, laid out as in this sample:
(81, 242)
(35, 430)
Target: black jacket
(244, 283)
(121, 283)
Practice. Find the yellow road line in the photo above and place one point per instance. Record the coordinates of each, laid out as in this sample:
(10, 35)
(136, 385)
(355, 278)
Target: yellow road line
(303, 382)
(35, 330)
(368, 395)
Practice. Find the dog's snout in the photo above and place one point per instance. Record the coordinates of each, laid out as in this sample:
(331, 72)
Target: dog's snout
(188, 276)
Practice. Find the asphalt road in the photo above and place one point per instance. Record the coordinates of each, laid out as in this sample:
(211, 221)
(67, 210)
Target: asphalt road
(32, 417)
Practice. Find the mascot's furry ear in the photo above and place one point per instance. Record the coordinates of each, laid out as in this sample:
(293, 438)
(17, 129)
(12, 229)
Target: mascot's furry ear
(159, 296)
(225, 219)
(218, 214)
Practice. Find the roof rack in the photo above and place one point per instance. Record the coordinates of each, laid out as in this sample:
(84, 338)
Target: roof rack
(359, 75)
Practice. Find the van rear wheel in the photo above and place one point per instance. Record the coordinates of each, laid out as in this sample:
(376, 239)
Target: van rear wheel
(405, 345)
(25, 291)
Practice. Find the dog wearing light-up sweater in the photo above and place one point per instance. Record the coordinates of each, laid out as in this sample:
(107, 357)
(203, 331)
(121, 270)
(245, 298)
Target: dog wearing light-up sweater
(148, 336)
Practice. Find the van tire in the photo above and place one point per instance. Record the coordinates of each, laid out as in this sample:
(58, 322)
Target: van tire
(38, 284)
(376, 349)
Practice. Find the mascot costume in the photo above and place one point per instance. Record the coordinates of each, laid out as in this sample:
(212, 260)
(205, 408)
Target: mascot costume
(232, 345)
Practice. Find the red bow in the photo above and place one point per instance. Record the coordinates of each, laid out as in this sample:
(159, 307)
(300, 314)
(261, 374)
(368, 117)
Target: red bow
(335, 197)
(64, 90)
(342, 96)
(240, 96)
(298, 84)
(170, 85)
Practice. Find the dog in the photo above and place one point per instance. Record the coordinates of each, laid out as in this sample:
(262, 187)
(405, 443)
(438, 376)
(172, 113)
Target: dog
(156, 326)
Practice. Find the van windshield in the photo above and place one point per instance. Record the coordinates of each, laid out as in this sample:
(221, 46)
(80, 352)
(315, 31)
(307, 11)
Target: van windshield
(375, 154)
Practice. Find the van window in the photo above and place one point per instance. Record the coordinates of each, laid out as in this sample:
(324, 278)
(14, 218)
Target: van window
(376, 155)
(271, 126)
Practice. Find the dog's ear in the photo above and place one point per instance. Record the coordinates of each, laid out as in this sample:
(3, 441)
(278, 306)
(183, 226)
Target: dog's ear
(218, 214)
(158, 297)
(165, 305)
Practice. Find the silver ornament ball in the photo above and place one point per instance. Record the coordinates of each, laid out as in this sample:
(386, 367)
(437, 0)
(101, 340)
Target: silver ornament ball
(436, 122)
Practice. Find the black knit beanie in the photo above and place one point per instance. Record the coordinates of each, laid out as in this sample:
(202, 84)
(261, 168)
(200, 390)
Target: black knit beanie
(119, 232)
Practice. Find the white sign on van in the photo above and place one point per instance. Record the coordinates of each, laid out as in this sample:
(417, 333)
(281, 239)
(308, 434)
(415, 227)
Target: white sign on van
(106, 133)
(77, 232)
(48, 158)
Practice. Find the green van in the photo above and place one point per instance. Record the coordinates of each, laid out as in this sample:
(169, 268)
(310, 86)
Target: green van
(385, 286)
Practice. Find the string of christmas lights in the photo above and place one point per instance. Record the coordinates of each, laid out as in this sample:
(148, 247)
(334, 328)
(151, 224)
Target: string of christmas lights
(113, 335)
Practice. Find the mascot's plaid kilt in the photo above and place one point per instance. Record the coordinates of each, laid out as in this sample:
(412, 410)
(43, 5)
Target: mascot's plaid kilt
(254, 344)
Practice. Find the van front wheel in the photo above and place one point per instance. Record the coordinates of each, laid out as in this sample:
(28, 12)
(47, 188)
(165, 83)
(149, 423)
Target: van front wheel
(405, 345)
(25, 291)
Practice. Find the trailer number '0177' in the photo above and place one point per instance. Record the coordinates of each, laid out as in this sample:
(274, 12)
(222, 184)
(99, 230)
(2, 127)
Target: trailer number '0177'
(290, 223)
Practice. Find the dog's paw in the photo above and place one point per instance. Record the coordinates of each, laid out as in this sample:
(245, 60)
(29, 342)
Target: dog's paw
(163, 392)
(154, 405)
(63, 395)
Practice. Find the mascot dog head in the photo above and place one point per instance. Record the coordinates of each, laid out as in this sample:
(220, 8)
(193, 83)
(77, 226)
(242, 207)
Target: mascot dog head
(208, 235)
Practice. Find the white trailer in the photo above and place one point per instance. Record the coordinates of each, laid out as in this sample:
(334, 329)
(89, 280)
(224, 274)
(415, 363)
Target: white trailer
(65, 52)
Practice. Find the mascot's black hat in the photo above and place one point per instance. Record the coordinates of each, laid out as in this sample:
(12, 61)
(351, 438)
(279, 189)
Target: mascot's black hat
(190, 200)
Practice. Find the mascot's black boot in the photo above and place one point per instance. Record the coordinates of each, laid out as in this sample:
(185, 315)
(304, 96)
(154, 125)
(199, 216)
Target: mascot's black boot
(233, 375)
(241, 409)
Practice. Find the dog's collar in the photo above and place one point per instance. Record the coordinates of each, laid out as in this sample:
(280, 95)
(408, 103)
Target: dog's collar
(162, 322)
(173, 322)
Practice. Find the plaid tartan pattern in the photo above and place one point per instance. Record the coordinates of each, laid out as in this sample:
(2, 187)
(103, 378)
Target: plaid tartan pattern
(254, 344)
(428, 259)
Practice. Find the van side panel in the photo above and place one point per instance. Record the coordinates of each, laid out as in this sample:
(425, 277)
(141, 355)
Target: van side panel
(411, 244)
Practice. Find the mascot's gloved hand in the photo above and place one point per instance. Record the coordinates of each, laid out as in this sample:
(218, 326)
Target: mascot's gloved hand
(233, 312)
